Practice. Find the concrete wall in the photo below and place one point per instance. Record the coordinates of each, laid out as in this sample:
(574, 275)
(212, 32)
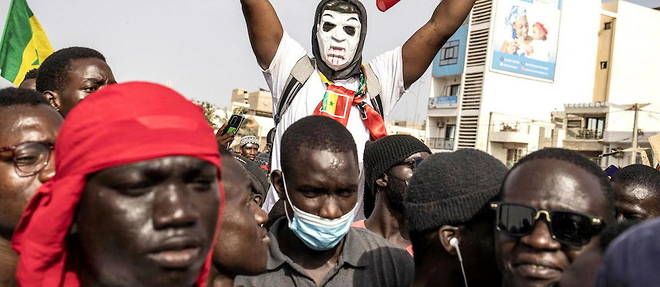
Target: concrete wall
(605, 38)
(635, 70)
(454, 69)
(635, 61)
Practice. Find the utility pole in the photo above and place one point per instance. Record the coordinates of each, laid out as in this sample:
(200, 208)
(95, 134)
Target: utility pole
(635, 107)
(633, 157)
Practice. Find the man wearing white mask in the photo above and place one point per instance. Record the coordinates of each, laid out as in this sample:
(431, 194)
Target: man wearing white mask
(314, 245)
(336, 83)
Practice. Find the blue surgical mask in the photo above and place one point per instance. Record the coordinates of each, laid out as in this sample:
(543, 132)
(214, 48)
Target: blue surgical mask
(316, 232)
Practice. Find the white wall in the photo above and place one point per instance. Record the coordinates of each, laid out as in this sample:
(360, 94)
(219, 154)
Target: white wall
(574, 75)
(635, 67)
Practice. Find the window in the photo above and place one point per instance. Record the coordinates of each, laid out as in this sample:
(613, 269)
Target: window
(594, 127)
(603, 65)
(512, 156)
(449, 53)
(453, 90)
(450, 131)
(607, 26)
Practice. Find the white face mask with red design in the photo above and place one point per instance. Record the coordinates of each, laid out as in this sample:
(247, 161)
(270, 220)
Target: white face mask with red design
(338, 36)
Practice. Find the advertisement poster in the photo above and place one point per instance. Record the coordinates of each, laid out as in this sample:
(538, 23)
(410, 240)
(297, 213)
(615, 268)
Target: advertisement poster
(525, 38)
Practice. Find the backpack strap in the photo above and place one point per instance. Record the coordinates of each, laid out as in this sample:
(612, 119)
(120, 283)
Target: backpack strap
(374, 89)
(301, 71)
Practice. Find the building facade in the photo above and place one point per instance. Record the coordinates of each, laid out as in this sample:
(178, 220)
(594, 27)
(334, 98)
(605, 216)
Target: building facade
(626, 89)
(505, 80)
(257, 107)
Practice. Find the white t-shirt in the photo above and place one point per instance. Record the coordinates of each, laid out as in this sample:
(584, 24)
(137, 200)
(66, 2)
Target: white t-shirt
(388, 67)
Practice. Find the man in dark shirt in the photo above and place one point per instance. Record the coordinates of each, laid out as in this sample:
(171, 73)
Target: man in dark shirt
(449, 218)
(314, 245)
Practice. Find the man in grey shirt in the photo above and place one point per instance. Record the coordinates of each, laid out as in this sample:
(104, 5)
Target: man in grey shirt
(314, 244)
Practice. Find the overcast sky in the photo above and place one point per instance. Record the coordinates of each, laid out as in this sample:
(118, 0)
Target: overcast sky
(201, 48)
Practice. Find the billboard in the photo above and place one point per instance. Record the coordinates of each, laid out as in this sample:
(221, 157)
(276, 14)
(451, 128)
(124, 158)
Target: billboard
(525, 35)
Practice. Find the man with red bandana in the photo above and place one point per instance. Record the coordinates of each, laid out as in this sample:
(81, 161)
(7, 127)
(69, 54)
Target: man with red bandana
(135, 200)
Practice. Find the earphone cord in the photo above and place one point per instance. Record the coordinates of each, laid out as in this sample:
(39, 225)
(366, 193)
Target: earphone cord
(460, 260)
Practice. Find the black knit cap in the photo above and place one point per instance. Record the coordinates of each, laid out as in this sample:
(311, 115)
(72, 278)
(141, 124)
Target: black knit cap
(451, 188)
(386, 152)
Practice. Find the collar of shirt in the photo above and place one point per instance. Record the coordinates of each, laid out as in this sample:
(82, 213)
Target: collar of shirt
(350, 255)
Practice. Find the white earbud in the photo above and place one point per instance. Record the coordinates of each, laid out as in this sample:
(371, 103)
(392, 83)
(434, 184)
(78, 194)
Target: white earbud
(454, 243)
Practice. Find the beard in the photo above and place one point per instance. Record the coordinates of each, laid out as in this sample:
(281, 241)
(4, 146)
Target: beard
(396, 193)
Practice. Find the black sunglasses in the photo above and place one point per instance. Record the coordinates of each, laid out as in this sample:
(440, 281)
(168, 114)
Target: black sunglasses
(567, 227)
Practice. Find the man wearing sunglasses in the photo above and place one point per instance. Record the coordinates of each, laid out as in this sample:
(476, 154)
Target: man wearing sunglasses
(554, 202)
(389, 164)
(450, 223)
(28, 127)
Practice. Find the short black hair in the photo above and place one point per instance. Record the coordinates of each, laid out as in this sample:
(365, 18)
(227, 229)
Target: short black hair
(639, 175)
(53, 71)
(575, 159)
(31, 74)
(15, 96)
(314, 133)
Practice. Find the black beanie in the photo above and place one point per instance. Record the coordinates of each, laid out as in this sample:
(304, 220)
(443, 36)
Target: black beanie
(451, 188)
(386, 152)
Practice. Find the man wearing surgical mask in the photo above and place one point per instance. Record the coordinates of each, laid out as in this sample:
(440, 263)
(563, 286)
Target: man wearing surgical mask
(314, 245)
(355, 93)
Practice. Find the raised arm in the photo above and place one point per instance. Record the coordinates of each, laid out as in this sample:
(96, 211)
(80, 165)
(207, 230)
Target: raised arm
(421, 48)
(264, 28)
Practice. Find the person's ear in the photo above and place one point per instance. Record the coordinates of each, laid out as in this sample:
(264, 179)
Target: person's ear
(382, 181)
(278, 183)
(54, 99)
(445, 234)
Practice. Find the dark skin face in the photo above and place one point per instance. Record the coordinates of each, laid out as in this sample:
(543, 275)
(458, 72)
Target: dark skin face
(242, 246)
(149, 223)
(634, 201)
(476, 245)
(250, 151)
(401, 172)
(30, 84)
(85, 76)
(19, 124)
(326, 185)
(537, 259)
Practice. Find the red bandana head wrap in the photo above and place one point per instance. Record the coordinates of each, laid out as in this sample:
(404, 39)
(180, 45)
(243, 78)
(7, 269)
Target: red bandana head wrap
(120, 124)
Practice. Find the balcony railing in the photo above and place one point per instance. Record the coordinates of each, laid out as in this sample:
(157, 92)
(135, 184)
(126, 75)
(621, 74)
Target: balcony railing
(443, 101)
(441, 143)
(584, 134)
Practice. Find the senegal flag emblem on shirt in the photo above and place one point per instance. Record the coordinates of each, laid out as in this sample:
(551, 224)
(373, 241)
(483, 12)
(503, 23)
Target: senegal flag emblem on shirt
(337, 101)
(24, 43)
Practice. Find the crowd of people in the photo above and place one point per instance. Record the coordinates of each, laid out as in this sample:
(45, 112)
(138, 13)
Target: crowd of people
(125, 184)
